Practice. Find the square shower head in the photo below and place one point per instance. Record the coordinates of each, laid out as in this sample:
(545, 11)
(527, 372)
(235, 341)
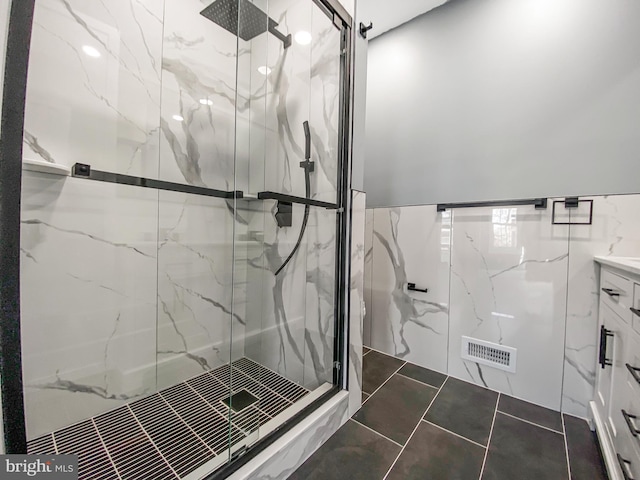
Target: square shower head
(240, 17)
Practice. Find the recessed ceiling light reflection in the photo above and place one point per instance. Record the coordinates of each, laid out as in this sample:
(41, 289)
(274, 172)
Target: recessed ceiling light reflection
(264, 70)
(303, 38)
(178, 118)
(91, 51)
(205, 101)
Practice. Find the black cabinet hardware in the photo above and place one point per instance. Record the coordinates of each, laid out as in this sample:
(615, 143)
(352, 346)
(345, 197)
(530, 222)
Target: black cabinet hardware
(539, 203)
(413, 288)
(635, 311)
(602, 358)
(611, 292)
(623, 466)
(634, 372)
(627, 418)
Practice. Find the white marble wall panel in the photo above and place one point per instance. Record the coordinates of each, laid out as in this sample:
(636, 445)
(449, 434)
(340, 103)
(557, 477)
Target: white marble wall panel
(320, 296)
(509, 286)
(93, 93)
(196, 317)
(615, 231)
(356, 299)
(275, 317)
(368, 271)
(411, 244)
(88, 281)
(198, 98)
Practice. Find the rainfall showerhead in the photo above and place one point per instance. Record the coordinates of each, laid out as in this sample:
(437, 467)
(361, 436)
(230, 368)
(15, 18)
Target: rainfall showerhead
(244, 19)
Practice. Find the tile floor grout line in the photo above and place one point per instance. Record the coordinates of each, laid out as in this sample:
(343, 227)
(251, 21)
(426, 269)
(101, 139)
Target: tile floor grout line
(415, 429)
(454, 433)
(421, 383)
(493, 422)
(366, 352)
(566, 447)
(153, 444)
(383, 383)
(104, 446)
(410, 363)
(375, 431)
(529, 422)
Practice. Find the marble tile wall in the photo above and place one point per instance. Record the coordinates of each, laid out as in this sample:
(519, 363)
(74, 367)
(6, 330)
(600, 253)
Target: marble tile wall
(515, 280)
(356, 305)
(509, 287)
(410, 244)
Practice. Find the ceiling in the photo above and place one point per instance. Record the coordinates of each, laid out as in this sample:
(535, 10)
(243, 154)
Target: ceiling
(388, 14)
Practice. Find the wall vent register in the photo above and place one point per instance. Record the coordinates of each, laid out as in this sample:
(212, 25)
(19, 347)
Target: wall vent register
(490, 354)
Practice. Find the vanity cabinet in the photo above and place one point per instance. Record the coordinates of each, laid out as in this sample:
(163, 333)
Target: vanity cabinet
(616, 403)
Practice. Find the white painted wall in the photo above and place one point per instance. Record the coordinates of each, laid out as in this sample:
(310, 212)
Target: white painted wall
(496, 99)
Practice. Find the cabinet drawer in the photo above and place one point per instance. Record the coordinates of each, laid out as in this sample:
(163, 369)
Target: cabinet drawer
(620, 294)
(629, 421)
(635, 312)
(628, 460)
(632, 357)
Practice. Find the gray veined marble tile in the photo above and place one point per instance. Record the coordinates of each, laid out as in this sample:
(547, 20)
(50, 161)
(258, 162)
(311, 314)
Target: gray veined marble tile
(93, 92)
(508, 286)
(88, 298)
(410, 244)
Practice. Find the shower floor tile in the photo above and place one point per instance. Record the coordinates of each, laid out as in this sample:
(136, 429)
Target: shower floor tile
(173, 432)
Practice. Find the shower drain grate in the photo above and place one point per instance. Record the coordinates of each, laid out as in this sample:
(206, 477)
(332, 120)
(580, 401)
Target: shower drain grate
(171, 433)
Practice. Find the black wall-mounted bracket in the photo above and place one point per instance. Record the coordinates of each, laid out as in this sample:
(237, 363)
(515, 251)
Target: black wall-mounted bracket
(365, 28)
(412, 287)
(284, 214)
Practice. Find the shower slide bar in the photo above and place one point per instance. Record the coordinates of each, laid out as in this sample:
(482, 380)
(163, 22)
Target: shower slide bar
(539, 203)
(81, 170)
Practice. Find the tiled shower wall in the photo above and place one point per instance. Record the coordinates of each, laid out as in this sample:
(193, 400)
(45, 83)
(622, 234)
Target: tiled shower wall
(128, 290)
(504, 275)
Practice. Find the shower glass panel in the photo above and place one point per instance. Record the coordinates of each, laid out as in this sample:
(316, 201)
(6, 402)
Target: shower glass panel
(180, 228)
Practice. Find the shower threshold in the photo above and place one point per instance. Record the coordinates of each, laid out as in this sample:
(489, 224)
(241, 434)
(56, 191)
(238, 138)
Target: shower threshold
(182, 431)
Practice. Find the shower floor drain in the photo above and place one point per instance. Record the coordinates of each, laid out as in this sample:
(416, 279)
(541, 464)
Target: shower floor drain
(240, 400)
(150, 438)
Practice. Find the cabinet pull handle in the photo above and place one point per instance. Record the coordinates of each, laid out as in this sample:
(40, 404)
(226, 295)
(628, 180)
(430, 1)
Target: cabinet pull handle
(611, 292)
(635, 311)
(634, 372)
(627, 418)
(413, 288)
(623, 466)
(602, 359)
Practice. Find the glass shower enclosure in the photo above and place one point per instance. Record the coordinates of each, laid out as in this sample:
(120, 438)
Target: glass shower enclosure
(183, 227)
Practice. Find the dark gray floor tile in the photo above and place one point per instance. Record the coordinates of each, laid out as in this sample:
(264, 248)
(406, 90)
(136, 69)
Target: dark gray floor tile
(584, 455)
(365, 350)
(352, 453)
(376, 368)
(424, 375)
(530, 412)
(396, 408)
(523, 451)
(433, 453)
(464, 409)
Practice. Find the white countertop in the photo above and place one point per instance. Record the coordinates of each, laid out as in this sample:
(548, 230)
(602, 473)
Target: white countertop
(627, 264)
